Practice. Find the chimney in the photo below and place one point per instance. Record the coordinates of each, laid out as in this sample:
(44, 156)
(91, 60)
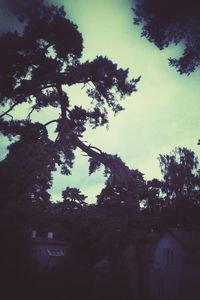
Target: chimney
(34, 234)
(50, 235)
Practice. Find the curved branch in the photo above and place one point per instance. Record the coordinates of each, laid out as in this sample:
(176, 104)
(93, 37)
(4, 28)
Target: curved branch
(6, 112)
(88, 149)
(93, 147)
(52, 121)
(119, 170)
(34, 90)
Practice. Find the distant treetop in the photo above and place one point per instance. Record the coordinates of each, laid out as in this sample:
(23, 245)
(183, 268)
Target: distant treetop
(172, 21)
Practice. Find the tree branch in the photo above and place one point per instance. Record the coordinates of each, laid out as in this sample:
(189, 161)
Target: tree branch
(93, 147)
(35, 90)
(120, 172)
(6, 112)
(102, 157)
(83, 86)
(10, 116)
(52, 121)
(29, 115)
(62, 102)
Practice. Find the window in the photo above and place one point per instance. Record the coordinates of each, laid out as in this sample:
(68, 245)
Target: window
(169, 256)
(55, 252)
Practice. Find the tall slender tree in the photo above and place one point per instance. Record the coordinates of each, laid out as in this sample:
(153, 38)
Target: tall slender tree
(181, 186)
(179, 170)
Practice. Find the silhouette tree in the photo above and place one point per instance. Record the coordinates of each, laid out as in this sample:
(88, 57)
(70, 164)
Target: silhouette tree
(172, 21)
(179, 170)
(25, 172)
(181, 185)
(116, 195)
(36, 68)
(153, 195)
(73, 199)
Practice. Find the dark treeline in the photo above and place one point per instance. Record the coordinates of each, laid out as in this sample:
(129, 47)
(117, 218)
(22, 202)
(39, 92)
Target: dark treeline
(97, 232)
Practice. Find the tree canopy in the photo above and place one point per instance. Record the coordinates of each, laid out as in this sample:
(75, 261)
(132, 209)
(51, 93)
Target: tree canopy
(174, 201)
(180, 173)
(36, 67)
(172, 21)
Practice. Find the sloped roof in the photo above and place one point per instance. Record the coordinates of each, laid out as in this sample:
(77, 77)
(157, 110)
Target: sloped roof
(41, 240)
(188, 239)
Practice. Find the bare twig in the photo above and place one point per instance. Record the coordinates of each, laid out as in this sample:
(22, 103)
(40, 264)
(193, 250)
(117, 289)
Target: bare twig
(10, 116)
(83, 86)
(29, 115)
(6, 112)
(89, 151)
(35, 90)
(52, 121)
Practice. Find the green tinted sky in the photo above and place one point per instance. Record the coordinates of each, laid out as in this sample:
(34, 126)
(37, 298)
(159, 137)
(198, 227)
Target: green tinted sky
(163, 114)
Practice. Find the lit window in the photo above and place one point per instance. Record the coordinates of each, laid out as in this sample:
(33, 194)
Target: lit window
(55, 252)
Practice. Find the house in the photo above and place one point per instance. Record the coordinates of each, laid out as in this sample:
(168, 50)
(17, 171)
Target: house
(172, 265)
(48, 252)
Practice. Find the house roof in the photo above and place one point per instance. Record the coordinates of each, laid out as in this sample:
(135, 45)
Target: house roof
(188, 239)
(41, 240)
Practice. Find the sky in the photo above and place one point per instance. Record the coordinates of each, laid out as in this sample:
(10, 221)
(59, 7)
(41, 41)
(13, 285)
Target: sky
(161, 115)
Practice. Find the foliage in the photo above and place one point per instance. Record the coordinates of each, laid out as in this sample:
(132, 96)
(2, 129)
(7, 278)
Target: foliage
(117, 194)
(152, 196)
(73, 199)
(175, 200)
(38, 65)
(173, 21)
(181, 187)
(179, 170)
(25, 172)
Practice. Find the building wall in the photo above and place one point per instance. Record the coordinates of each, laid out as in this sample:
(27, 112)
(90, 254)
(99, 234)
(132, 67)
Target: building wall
(170, 275)
(41, 256)
(132, 274)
